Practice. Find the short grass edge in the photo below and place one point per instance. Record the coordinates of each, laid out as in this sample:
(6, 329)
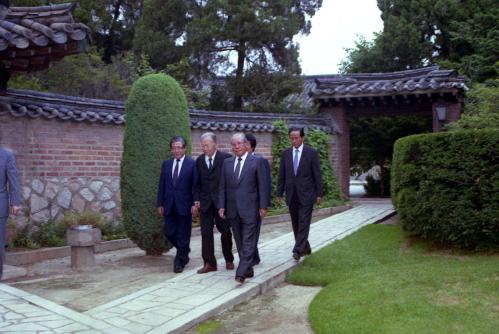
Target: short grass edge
(377, 280)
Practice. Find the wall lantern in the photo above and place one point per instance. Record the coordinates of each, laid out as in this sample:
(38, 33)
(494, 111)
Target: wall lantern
(441, 112)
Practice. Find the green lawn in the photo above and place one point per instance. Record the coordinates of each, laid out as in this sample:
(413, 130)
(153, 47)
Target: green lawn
(375, 282)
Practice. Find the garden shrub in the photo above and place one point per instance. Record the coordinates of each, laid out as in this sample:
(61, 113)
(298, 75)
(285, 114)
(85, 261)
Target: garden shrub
(156, 110)
(445, 186)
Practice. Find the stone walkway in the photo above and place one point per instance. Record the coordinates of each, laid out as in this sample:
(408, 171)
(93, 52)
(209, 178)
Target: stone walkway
(185, 300)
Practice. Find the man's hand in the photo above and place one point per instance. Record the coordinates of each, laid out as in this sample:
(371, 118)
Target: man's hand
(221, 213)
(318, 200)
(161, 211)
(279, 200)
(14, 209)
(194, 210)
(263, 212)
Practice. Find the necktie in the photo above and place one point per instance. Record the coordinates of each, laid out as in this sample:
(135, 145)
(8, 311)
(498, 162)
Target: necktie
(175, 172)
(295, 161)
(210, 165)
(238, 169)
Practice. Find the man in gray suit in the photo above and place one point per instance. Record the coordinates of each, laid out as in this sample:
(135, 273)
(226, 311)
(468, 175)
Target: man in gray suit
(9, 196)
(243, 200)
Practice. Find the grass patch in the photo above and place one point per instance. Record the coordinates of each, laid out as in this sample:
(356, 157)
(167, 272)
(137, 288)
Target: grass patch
(209, 326)
(378, 281)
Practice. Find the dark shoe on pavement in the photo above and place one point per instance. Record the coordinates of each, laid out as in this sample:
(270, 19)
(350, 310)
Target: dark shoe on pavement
(240, 279)
(229, 265)
(178, 269)
(250, 273)
(207, 268)
(296, 256)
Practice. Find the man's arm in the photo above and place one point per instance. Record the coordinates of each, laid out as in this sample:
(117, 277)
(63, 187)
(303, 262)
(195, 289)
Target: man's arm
(317, 175)
(281, 181)
(197, 184)
(221, 192)
(14, 197)
(268, 175)
(161, 190)
(262, 180)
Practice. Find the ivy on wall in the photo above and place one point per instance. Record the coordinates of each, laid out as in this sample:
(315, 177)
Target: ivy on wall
(317, 139)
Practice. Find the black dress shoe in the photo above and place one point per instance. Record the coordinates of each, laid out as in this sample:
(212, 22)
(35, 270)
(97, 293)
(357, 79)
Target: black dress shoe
(249, 274)
(296, 256)
(178, 269)
(240, 279)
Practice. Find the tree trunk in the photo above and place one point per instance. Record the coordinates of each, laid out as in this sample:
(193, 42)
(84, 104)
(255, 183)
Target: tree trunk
(109, 43)
(241, 56)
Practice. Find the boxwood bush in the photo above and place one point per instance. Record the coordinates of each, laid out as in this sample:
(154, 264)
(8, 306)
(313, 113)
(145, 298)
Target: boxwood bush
(156, 110)
(445, 187)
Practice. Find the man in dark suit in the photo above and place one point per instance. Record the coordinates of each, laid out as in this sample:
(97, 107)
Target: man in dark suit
(9, 196)
(300, 177)
(243, 199)
(252, 146)
(176, 200)
(209, 168)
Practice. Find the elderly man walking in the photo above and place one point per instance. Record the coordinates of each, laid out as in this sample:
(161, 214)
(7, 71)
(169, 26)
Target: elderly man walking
(243, 200)
(9, 196)
(209, 169)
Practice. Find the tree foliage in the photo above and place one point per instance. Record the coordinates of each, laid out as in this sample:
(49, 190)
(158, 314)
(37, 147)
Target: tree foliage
(462, 35)
(79, 75)
(156, 110)
(211, 35)
(481, 110)
(372, 139)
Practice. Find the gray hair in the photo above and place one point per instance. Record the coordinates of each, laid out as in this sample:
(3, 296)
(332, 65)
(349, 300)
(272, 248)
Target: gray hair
(238, 135)
(209, 135)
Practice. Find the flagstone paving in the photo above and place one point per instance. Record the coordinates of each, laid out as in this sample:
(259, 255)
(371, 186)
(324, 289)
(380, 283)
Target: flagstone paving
(185, 300)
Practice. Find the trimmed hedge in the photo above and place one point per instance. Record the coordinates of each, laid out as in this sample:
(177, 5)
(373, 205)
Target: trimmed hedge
(156, 110)
(445, 187)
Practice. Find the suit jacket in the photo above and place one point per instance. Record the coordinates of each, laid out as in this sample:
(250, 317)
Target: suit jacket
(308, 180)
(208, 181)
(269, 179)
(243, 197)
(9, 184)
(182, 194)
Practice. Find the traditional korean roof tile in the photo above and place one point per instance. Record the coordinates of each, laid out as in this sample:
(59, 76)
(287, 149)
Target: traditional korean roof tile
(32, 37)
(21, 103)
(420, 81)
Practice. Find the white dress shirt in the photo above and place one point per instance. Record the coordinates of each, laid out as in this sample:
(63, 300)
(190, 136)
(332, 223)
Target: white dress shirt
(207, 159)
(179, 165)
(243, 157)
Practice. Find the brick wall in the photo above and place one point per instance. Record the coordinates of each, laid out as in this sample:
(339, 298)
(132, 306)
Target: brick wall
(67, 165)
(52, 148)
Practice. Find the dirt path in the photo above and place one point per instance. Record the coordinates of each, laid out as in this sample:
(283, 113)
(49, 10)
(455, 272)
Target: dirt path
(281, 310)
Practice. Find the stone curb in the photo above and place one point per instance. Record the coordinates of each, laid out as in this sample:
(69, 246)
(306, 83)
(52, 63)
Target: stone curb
(33, 256)
(30, 257)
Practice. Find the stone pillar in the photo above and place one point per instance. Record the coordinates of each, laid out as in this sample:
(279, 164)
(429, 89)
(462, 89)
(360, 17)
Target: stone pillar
(82, 239)
(339, 119)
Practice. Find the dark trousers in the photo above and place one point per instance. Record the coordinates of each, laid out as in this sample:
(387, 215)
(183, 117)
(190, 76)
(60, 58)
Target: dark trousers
(301, 215)
(257, 253)
(244, 231)
(3, 232)
(209, 219)
(177, 231)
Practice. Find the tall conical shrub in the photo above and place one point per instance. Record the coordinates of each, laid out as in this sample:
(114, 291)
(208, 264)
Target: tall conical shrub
(156, 110)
